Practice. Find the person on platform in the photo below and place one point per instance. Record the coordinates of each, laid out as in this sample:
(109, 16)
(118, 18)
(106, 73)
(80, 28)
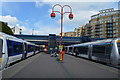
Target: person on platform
(62, 55)
(76, 52)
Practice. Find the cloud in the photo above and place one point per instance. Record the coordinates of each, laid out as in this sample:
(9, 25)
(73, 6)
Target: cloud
(39, 27)
(38, 4)
(45, 29)
(13, 21)
(80, 18)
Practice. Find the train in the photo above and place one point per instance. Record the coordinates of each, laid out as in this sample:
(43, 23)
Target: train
(13, 49)
(106, 51)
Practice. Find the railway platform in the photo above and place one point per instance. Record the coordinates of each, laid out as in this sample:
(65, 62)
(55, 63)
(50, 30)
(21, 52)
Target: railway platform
(43, 65)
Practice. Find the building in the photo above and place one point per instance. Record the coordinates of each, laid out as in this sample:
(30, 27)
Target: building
(16, 30)
(69, 34)
(78, 31)
(5, 28)
(82, 33)
(105, 24)
(87, 30)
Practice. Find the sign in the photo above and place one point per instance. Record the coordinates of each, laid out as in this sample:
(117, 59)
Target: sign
(60, 46)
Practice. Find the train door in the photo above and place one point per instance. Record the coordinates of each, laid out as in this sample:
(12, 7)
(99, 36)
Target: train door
(90, 48)
(66, 49)
(25, 50)
(34, 49)
(76, 51)
(70, 50)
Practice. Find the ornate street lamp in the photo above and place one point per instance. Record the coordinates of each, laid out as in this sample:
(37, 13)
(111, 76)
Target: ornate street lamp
(61, 13)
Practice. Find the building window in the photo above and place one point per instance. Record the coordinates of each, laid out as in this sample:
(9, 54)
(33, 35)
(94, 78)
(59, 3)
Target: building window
(115, 20)
(115, 16)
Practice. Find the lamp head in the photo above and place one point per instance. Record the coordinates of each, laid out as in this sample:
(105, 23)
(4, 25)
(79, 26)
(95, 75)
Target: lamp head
(70, 16)
(53, 15)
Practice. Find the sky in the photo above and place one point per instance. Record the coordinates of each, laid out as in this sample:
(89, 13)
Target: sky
(34, 16)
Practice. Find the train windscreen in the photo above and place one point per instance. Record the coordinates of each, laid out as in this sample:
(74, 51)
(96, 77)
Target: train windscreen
(1, 44)
(118, 44)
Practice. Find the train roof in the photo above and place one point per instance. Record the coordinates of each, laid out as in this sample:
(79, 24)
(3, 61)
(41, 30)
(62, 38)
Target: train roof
(14, 38)
(9, 36)
(96, 42)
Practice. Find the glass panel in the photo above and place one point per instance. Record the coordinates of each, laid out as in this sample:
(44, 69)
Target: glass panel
(102, 50)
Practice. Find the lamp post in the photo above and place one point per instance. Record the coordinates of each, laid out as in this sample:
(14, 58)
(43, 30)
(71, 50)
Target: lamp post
(61, 13)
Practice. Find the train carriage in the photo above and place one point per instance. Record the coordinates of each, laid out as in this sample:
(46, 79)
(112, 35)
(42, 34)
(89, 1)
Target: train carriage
(107, 50)
(13, 49)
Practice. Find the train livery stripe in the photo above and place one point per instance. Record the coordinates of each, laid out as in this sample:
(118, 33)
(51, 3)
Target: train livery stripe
(118, 41)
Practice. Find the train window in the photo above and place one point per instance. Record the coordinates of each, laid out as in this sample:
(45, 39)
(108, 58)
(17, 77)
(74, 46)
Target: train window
(1, 47)
(102, 50)
(118, 44)
(76, 50)
(18, 48)
(70, 49)
(36, 48)
(98, 49)
(65, 48)
(83, 49)
(108, 49)
(30, 48)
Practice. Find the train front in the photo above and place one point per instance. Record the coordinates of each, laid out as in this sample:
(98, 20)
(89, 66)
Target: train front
(1, 43)
(118, 46)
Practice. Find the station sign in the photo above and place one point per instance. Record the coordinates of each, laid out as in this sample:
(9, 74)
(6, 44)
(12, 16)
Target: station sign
(60, 46)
